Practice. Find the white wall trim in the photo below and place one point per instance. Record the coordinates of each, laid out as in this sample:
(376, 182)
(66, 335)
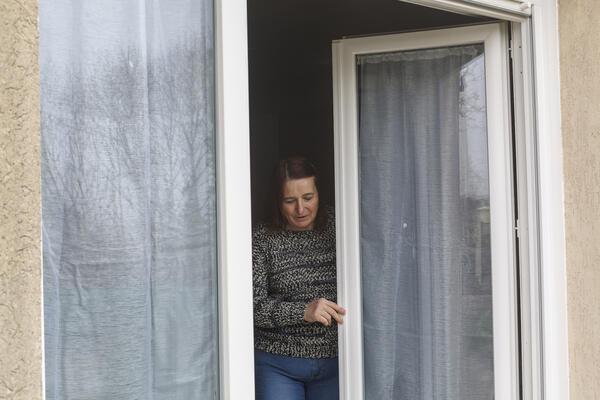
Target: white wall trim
(553, 282)
(236, 342)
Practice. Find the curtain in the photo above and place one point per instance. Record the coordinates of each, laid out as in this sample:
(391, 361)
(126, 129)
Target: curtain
(128, 199)
(425, 256)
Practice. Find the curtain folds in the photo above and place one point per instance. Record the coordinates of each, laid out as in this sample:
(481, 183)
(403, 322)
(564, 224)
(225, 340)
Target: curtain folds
(128, 199)
(427, 302)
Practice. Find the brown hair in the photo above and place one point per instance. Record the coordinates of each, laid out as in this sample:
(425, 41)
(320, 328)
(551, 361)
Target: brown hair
(293, 168)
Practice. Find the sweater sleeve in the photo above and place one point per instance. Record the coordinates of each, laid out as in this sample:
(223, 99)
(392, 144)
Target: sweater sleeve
(270, 312)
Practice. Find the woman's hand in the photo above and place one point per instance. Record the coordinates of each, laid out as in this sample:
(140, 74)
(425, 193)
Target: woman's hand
(323, 310)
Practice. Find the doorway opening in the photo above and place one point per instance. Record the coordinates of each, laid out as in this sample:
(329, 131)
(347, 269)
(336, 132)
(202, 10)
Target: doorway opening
(292, 113)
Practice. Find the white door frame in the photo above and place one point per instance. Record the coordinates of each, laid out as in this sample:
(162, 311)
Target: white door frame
(537, 24)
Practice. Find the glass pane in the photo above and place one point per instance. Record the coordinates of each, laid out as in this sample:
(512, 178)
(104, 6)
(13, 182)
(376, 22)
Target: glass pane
(425, 232)
(129, 199)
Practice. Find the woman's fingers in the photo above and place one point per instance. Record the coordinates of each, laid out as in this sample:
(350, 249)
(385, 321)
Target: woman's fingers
(327, 318)
(337, 308)
(333, 313)
(324, 320)
(323, 310)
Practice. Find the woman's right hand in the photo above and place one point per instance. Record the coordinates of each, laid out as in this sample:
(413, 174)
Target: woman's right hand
(323, 310)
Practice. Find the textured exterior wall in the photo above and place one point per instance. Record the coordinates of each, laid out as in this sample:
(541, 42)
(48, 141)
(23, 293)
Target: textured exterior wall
(20, 312)
(580, 95)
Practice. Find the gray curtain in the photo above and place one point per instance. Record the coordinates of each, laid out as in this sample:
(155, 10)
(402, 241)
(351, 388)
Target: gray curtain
(128, 202)
(425, 233)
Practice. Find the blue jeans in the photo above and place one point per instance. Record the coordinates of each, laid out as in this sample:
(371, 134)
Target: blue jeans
(291, 378)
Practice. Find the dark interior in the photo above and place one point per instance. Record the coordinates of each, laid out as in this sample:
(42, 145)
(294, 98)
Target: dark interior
(291, 99)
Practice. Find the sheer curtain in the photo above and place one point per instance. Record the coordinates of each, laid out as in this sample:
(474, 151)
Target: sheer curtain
(128, 181)
(427, 301)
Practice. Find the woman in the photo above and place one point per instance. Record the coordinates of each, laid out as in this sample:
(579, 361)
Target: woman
(295, 314)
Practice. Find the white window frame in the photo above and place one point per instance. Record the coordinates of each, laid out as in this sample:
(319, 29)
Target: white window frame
(495, 40)
(544, 309)
(236, 339)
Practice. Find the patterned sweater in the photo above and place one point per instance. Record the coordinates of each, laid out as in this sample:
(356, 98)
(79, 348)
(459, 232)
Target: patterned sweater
(291, 269)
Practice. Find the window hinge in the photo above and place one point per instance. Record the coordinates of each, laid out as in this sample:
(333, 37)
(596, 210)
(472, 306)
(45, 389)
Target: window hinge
(517, 228)
(510, 49)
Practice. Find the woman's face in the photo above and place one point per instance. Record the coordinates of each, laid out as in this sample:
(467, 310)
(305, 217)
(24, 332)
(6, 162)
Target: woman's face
(300, 203)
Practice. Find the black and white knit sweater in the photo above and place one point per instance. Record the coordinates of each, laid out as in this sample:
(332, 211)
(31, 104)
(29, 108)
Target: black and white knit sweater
(291, 269)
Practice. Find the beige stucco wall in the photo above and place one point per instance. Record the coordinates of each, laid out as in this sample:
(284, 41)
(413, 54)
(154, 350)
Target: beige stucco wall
(580, 95)
(20, 314)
